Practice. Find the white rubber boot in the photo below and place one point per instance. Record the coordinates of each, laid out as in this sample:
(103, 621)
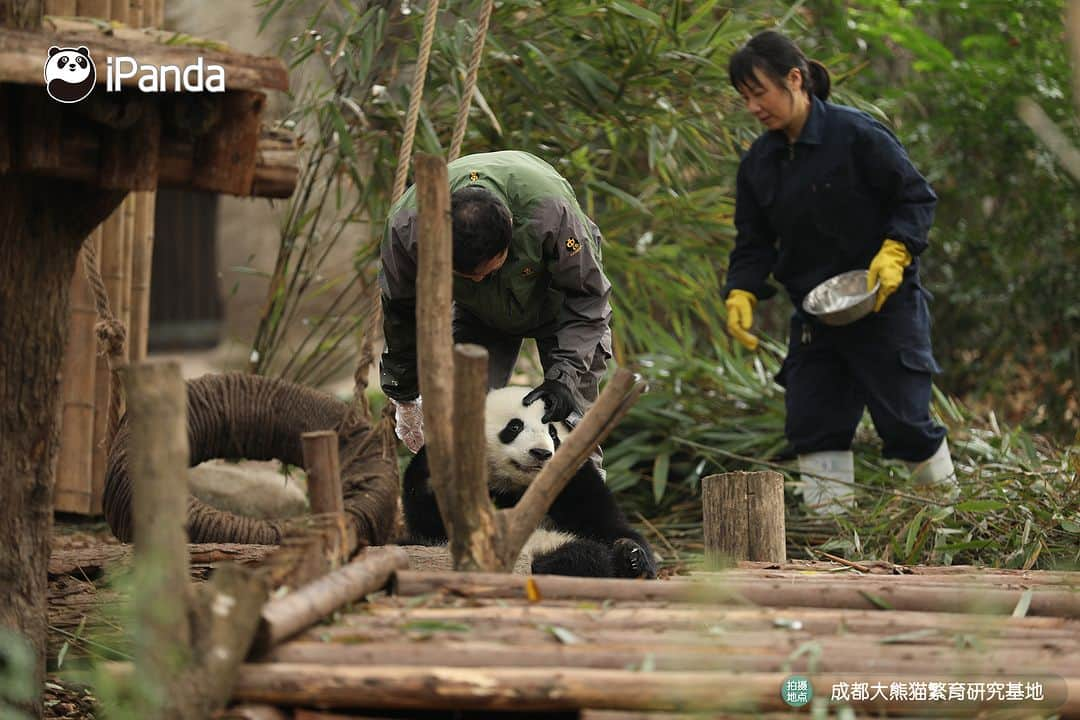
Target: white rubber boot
(936, 472)
(823, 497)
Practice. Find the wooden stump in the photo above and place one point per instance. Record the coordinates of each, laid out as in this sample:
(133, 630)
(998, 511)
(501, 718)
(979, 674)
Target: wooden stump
(744, 517)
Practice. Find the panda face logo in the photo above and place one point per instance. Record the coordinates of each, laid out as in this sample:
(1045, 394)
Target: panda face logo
(70, 74)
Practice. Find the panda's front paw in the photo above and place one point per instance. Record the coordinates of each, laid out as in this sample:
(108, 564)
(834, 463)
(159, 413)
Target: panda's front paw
(633, 560)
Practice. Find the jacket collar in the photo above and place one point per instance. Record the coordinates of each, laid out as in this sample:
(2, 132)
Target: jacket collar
(813, 131)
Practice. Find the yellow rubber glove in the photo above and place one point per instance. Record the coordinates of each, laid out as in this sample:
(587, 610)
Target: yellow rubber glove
(887, 267)
(740, 316)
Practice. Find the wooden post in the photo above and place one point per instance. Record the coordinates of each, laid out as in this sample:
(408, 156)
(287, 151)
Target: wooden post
(472, 545)
(743, 515)
(324, 471)
(74, 468)
(157, 462)
(434, 333)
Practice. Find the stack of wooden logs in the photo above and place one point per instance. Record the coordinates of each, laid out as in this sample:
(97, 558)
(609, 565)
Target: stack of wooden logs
(123, 245)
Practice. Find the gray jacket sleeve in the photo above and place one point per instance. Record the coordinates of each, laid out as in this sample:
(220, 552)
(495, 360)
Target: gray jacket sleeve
(397, 282)
(571, 249)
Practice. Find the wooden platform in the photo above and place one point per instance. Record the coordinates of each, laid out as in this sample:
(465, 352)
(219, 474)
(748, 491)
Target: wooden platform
(704, 642)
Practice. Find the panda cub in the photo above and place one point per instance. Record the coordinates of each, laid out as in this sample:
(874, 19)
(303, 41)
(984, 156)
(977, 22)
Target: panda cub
(586, 533)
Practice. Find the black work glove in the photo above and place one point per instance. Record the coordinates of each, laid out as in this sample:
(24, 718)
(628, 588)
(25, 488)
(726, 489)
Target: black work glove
(558, 400)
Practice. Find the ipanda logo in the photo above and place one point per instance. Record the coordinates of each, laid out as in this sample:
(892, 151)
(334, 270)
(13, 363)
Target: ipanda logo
(70, 75)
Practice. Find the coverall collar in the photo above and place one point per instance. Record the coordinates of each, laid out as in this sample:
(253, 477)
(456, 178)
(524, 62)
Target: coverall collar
(813, 130)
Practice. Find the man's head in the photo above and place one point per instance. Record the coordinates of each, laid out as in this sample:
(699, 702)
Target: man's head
(482, 230)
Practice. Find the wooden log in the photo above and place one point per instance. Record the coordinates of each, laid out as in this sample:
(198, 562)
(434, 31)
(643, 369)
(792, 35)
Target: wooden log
(94, 9)
(118, 11)
(539, 689)
(286, 616)
(75, 464)
(743, 515)
(323, 471)
(157, 463)
(836, 655)
(253, 712)
(7, 131)
(473, 544)
(811, 593)
(817, 621)
(93, 561)
(124, 310)
(226, 154)
(39, 144)
(275, 172)
(61, 7)
(129, 155)
(523, 519)
(142, 252)
(434, 334)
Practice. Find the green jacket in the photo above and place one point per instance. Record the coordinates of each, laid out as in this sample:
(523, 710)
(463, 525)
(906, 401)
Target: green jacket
(552, 283)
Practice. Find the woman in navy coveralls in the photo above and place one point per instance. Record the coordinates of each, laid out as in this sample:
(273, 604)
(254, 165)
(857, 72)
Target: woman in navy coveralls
(824, 190)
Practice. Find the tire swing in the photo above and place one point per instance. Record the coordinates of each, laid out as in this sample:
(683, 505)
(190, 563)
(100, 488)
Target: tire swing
(242, 416)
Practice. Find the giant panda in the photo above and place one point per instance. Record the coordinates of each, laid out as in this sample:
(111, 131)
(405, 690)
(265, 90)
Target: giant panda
(585, 532)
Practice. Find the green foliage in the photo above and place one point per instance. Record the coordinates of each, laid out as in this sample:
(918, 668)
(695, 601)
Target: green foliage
(16, 674)
(1004, 259)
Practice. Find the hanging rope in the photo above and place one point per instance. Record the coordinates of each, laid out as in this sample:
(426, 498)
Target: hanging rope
(405, 153)
(359, 409)
(111, 334)
(470, 81)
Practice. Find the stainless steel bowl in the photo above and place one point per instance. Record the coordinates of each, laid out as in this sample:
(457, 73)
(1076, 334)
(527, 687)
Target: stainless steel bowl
(842, 299)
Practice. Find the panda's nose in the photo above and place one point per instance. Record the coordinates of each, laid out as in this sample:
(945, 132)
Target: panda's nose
(541, 454)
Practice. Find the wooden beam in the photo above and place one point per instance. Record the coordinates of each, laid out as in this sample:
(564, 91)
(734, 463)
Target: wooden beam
(129, 156)
(21, 54)
(275, 170)
(323, 469)
(226, 154)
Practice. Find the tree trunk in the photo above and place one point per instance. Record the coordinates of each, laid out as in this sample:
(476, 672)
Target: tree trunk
(42, 226)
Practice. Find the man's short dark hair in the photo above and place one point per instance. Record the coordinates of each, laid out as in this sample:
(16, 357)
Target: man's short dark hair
(482, 227)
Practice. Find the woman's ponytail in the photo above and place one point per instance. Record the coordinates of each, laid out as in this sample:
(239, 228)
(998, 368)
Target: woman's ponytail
(820, 83)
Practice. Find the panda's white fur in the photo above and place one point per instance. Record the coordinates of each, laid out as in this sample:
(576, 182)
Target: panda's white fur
(515, 464)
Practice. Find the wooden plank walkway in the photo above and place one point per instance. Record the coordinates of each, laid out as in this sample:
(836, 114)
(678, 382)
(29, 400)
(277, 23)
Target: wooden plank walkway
(894, 644)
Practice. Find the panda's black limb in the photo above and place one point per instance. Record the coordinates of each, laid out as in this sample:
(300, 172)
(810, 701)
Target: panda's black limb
(422, 520)
(583, 558)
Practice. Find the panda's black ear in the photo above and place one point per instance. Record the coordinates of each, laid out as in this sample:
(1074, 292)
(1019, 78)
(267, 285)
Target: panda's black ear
(53, 50)
(82, 50)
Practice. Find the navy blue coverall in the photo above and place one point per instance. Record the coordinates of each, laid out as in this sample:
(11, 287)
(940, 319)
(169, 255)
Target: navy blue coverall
(819, 207)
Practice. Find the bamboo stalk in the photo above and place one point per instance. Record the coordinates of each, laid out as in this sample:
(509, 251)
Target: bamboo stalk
(94, 9)
(288, 615)
(60, 7)
(810, 593)
(141, 264)
(124, 311)
(836, 655)
(75, 463)
(539, 689)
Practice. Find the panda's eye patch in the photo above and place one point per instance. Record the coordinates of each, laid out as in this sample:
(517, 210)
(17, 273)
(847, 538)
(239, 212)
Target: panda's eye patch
(81, 61)
(511, 431)
(63, 60)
